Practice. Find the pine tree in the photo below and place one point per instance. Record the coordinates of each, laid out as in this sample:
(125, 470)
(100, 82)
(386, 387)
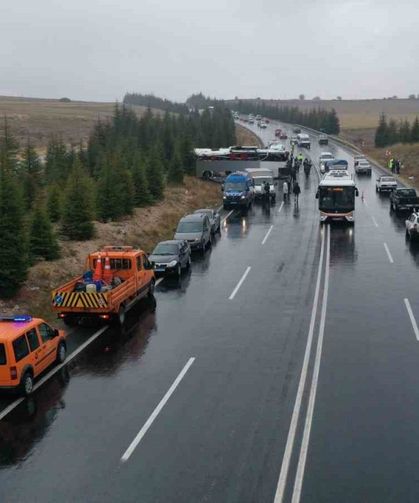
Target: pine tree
(175, 173)
(404, 131)
(381, 133)
(31, 168)
(8, 149)
(13, 257)
(77, 214)
(154, 168)
(57, 161)
(187, 155)
(54, 202)
(42, 239)
(392, 132)
(142, 196)
(108, 201)
(414, 132)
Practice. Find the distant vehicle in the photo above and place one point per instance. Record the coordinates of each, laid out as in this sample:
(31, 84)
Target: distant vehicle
(412, 226)
(335, 164)
(325, 156)
(278, 132)
(267, 120)
(170, 257)
(323, 139)
(303, 140)
(214, 218)
(116, 279)
(28, 346)
(238, 191)
(251, 121)
(258, 117)
(293, 140)
(263, 125)
(336, 195)
(363, 167)
(357, 158)
(283, 136)
(260, 176)
(385, 183)
(196, 230)
(402, 199)
(296, 130)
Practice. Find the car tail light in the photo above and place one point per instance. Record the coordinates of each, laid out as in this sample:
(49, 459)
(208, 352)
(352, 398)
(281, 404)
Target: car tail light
(105, 316)
(61, 315)
(13, 373)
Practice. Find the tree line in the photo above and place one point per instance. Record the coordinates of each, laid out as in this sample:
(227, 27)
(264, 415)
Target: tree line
(389, 132)
(316, 118)
(127, 163)
(151, 101)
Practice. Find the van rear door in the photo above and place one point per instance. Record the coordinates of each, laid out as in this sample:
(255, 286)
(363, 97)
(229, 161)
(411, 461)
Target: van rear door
(4, 367)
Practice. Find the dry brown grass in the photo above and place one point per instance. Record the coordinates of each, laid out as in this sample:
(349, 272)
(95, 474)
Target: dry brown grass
(144, 229)
(39, 119)
(246, 137)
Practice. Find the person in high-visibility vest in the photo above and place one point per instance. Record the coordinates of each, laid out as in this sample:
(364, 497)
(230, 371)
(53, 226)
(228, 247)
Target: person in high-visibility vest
(390, 164)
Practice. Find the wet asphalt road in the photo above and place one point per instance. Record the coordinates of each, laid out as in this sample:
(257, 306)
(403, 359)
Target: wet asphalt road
(224, 434)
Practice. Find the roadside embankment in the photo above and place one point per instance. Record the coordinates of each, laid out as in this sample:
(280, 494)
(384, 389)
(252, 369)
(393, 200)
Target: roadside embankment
(246, 137)
(145, 228)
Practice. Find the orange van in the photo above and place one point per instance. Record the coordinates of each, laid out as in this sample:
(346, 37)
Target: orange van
(27, 347)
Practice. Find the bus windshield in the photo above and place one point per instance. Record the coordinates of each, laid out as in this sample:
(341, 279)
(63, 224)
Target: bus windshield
(337, 199)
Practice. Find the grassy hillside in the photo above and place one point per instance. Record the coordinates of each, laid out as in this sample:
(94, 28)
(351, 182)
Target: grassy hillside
(38, 119)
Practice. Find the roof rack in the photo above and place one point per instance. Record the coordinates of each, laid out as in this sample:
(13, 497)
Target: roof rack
(117, 248)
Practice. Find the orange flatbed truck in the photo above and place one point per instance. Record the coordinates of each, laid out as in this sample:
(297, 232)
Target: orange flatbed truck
(117, 277)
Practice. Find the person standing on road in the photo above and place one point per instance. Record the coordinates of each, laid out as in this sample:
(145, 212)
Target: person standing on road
(397, 166)
(285, 190)
(296, 190)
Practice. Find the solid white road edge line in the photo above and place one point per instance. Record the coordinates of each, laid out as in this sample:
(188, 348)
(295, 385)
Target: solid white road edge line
(280, 490)
(239, 284)
(374, 221)
(156, 412)
(158, 281)
(298, 484)
(42, 381)
(412, 318)
(388, 253)
(267, 234)
(225, 218)
(281, 206)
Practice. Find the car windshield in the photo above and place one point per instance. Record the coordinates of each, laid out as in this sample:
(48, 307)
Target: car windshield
(406, 192)
(189, 227)
(326, 157)
(205, 212)
(259, 181)
(387, 179)
(238, 186)
(165, 249)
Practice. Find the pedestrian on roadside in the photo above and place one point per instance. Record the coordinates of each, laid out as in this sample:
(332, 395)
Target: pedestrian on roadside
(391, 165)
(397, 166)
(285, 190)
(296, 190)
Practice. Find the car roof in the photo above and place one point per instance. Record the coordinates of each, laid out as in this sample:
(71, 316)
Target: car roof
(9, 330)
(203, 210)
(171, 242)
(193, 217)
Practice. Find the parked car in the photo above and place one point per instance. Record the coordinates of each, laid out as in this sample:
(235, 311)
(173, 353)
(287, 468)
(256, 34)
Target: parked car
(293, 140)
(323, 139)
(385, 183)
(412, 226)
(296, 130)
(283, 136)
(363, 167)
(196, 230)
(402, 199)
(238, 191)
(28, 346)
(325, 156)
(170, 257)
(214, 218)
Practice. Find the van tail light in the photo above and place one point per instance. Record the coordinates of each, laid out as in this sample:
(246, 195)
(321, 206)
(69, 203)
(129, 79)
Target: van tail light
(13, 373)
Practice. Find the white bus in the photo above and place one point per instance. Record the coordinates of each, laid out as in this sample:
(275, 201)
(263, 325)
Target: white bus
(336, 195)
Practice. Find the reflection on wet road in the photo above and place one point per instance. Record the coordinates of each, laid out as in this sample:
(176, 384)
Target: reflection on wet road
(224, 431)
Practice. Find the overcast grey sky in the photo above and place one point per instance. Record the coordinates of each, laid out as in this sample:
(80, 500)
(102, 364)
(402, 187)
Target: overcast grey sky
(99, 49)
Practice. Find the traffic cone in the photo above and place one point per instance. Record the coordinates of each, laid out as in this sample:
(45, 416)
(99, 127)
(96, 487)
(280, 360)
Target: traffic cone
(97, 275)
(107, 273)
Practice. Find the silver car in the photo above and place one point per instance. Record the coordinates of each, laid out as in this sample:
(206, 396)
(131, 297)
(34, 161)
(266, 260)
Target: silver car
(196, 230)
(214, 218)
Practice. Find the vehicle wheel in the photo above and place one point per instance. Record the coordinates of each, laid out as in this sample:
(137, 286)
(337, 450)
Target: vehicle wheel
(120, 317)
(179, 271)
(151, 289)
(26, 384)
(61, 352)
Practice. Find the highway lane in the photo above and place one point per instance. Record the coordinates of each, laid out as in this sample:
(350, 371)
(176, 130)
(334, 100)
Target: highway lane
(220, 435)
(364, 433)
